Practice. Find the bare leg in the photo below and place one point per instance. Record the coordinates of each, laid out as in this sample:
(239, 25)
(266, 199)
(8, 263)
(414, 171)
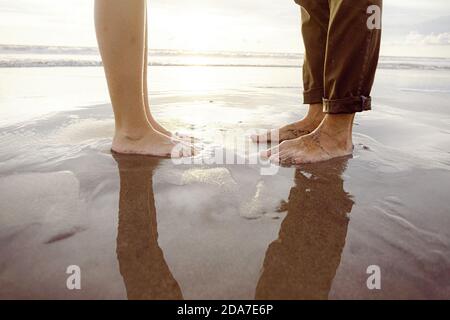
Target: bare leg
(294, 130)
(332, 139)
(155, 124)
(120, 27)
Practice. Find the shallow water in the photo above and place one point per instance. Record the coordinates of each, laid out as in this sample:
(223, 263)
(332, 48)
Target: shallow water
(140, 227)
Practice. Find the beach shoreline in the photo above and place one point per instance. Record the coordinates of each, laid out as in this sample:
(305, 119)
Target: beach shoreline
(224, 231)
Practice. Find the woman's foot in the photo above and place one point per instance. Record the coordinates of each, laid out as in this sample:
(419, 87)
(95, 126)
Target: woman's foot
(150, 142)
(155, 124)
(332, 139)
(294, 130)
(159, 127)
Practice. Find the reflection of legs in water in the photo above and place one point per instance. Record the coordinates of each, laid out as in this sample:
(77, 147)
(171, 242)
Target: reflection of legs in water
(302, 262)
(141, 260)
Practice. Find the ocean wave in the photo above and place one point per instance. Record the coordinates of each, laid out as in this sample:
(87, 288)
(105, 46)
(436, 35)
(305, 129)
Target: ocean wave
(19, 56)
(35, 63)
(31, 63)
(59, 50)
(87, 63)
(25, 49)
(420, 90)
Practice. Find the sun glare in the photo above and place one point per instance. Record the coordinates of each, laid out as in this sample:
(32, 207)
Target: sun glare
(198, 31)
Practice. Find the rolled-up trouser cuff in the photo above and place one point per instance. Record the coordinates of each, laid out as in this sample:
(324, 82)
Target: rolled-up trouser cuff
(347, 105)
(313, 96)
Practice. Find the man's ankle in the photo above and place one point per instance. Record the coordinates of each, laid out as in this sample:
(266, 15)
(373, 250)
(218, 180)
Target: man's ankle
(338, 127)
(315, 112)
(339, 121)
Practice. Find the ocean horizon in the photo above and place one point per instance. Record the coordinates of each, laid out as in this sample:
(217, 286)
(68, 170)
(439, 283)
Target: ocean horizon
(32, 56)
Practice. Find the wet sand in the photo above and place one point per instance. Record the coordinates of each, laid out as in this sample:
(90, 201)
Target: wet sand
(146, 228)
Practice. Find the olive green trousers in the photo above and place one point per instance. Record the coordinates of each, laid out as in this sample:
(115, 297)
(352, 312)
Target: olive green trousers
(342, 45)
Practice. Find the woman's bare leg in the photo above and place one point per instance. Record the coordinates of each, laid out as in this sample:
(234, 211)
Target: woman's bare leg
(155, 124)
(120, 27)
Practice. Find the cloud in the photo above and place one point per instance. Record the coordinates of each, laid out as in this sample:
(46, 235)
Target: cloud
(415, 38)
(436, 25)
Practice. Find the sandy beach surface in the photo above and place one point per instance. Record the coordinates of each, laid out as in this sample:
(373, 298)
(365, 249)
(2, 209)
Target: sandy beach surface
(147, 228)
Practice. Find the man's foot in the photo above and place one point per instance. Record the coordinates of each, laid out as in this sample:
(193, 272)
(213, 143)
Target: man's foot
(289, 132)
(332, 139)
(294, 130)
(152, 143)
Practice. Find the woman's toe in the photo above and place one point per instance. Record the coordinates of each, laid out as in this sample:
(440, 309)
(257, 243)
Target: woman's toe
(275, 158)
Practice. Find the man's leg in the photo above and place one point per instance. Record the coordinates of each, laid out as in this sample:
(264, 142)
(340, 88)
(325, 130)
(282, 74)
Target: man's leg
(315, 19)
(350, 65)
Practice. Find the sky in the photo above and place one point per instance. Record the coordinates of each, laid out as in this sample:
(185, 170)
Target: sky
(410, 27)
